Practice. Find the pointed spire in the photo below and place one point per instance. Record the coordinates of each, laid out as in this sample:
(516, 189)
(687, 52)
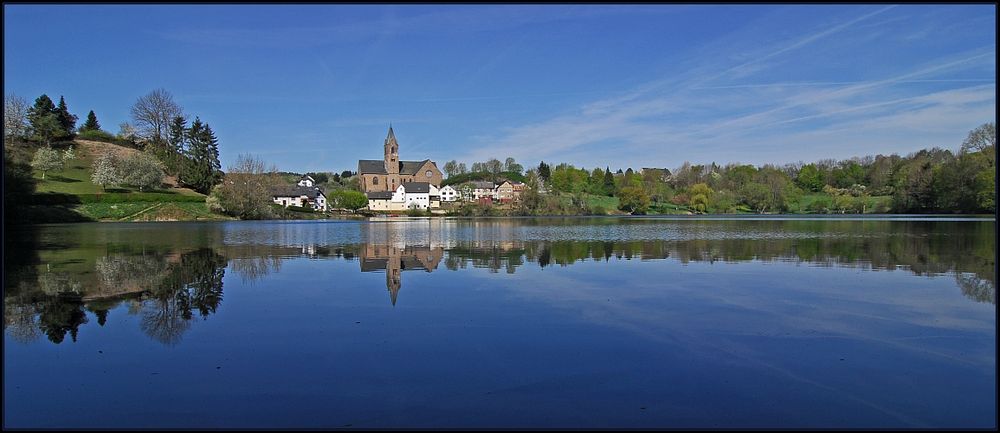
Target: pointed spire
(391, 136)
(393, 294)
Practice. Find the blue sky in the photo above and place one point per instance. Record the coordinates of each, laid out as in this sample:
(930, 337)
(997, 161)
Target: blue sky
(314, 87)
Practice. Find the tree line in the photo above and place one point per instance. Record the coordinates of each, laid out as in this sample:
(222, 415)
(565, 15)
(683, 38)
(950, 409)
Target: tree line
(930, 180)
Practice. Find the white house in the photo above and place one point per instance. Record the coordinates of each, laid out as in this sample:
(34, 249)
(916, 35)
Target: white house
(482, 189)
(300, 196)
(307, 181)
(449, 194)
(408, 195)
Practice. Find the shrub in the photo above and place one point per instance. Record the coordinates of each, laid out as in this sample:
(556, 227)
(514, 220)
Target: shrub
(99, 135)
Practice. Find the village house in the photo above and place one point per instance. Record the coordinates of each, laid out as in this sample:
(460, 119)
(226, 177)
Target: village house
(409, 195)
(387, 174)
(303, 194)
(307, 181)
(509, 191)
(483, 189)
(449, 194)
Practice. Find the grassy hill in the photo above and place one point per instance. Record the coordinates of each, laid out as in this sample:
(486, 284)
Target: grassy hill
(71, 189)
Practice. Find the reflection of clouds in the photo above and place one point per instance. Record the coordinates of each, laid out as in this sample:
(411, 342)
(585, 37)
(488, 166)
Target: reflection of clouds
(723, 314)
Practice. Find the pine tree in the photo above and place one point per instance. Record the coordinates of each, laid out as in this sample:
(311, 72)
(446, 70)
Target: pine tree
(43, 107)
(213, 155)
(66, 120)
(91, 124)
(173, 153)
(544, 171)
(177, 134)
(609, 182)
(202, 169)
(42, 117)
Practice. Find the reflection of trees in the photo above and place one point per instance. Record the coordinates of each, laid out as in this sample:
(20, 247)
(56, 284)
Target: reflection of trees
(254, 268)
(976, 288)
(60, 315)
(193, 284)
(53, 283)
(966, 250)
(167, 290)
(19, 319)
(163, 319)
(253, 262)
(121, 273)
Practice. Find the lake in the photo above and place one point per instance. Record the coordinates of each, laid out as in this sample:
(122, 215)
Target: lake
(508, 322)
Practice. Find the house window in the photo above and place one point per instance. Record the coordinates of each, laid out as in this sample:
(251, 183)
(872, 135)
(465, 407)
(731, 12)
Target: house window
(375, 181)
(428, 173)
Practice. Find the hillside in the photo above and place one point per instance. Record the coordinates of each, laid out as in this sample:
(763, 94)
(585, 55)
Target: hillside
(72, 190)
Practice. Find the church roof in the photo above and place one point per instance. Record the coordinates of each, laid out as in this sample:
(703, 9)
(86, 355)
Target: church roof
(377, 166)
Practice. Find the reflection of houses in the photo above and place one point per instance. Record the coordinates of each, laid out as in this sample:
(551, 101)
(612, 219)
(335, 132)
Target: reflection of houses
(394, 259)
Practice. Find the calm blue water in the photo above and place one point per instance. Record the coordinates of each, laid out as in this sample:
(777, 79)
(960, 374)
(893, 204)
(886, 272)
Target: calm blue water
(557, 322)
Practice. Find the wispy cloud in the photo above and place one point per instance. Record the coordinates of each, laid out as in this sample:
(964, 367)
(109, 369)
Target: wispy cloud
(419, 20)
(697, 116)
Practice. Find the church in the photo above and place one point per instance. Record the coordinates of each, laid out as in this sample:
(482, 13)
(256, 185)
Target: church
(388, 173)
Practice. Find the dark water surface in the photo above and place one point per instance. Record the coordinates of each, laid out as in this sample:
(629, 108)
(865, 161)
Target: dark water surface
(559, 322)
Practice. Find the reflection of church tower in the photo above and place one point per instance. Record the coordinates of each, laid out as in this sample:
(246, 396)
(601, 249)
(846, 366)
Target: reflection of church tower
(393, 281)
(393, 260)
(391, 160)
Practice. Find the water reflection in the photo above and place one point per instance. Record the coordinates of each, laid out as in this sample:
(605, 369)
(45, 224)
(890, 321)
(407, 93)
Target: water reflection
(65, 277)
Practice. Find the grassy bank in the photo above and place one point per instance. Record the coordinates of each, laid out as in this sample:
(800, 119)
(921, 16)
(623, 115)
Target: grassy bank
(69, 195)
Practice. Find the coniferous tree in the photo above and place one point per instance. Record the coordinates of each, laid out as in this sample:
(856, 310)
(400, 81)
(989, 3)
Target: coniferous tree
(202, 169)
(174, 151)
(215, 172)
(42, 117)
(91, 123)
(609, 181)
(66, 119)
(544, 171)
(177, 134)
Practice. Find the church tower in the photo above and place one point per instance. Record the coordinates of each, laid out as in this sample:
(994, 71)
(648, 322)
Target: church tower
(392, 157)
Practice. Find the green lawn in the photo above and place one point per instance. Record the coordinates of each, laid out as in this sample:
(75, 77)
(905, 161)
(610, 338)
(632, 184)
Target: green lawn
(71, 192)
(609, 204)
(74, 179)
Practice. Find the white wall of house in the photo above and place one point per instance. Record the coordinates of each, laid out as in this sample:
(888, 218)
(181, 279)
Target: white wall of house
(402, 200)
(449, 194)
(318, 204)
(479, 193)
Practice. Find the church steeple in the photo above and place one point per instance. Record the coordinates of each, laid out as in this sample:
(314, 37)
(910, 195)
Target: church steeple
(391, 153)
